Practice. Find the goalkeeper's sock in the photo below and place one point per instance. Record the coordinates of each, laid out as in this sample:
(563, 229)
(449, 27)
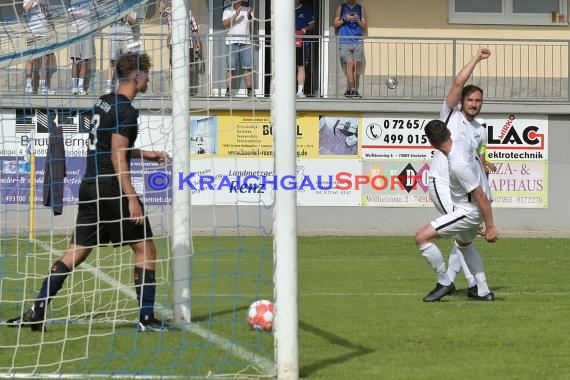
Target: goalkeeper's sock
(51, 285)
(145, 285)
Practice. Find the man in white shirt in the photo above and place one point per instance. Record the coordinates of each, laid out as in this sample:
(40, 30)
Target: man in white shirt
(237, 19)
(463, 126)
(471, 198)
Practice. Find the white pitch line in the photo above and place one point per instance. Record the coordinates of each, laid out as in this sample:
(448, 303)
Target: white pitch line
(266, 366)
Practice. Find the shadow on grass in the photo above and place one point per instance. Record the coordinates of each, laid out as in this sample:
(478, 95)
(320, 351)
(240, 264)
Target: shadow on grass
(207, 317)
(356, 350)
(463, 292)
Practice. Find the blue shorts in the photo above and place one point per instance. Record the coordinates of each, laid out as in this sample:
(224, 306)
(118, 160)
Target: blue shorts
(239, 52)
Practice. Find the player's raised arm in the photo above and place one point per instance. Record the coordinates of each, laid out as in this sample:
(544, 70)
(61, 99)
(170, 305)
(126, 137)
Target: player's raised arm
(454, 94)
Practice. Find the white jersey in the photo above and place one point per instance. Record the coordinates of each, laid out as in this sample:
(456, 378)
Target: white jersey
(465, 175)
(473, 133)
(37, 17)
(239, 32)
(80, 13)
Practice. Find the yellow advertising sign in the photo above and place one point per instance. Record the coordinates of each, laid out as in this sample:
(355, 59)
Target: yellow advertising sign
(247, 134)
(244, 134)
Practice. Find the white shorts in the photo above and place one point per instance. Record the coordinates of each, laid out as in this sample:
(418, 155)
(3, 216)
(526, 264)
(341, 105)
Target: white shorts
(463, 223)
(440, 195)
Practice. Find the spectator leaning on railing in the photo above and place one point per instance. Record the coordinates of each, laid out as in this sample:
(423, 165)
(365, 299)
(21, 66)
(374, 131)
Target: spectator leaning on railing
(350, 20)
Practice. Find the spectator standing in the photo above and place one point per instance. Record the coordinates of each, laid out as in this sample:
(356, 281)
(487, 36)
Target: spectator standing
(82, 51)
(195, 44)
(238, 19)
(140, 16)
(304, 23)
(122, 41)
(37, 15)
(350, 20)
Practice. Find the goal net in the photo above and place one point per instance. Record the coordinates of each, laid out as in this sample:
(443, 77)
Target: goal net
(205, 280)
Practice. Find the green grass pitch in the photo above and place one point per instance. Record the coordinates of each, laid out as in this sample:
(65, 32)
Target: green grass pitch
(361, 315)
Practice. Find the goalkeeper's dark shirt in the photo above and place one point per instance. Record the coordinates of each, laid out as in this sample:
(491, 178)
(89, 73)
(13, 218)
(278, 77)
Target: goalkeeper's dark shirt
(113, 113)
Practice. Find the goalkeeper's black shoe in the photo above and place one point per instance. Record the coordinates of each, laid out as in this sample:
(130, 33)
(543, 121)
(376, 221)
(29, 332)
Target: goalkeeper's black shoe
(154, 325)
(29, 318)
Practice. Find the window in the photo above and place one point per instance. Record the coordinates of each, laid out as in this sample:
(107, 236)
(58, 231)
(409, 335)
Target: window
(511, 12)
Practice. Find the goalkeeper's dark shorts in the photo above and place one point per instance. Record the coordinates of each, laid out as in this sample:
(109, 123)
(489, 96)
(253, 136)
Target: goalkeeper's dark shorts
(103, 217)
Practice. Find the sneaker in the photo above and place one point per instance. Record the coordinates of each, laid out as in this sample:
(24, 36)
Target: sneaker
(29, 90)
(29, 318)
(74, 91)
(108, 90)
(301, 95)
(81, 92)
(474, 295)
(155, 325)
(227, 93)
(472, 292)
(349, 93)
(46, 91)
(355, 94)
(439, 292)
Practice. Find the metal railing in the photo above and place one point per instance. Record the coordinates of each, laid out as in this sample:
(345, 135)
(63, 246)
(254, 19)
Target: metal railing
(394, 68)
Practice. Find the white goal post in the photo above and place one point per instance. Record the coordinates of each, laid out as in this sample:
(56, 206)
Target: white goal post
(283, 113)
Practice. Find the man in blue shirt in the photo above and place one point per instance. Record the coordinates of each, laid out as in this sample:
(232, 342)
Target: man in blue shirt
(304, 23)
(350, 20)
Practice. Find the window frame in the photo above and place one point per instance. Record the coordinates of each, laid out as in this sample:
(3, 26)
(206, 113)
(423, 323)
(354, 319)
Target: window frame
(507, 17)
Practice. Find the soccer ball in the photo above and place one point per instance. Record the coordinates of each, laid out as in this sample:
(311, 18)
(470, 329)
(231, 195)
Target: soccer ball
(260, 315)
(391, 83)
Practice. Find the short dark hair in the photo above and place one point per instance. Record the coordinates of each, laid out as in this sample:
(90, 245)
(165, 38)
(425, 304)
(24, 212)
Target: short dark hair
(132, 62)
(469, 89)
(437, 132)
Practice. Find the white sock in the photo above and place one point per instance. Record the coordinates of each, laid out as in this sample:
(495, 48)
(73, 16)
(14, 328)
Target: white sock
(475, 264)
(454, 263)
(73, 82)
(109, 83)
(42, 83)
(468, 276)
(28, 82)
(300, 88)
(80, 82)
(457, 263)
(434, 258)
(482, 287)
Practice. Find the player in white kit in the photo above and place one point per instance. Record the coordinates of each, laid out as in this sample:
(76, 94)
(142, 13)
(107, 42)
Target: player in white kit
(471, 199)
(463, 126)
